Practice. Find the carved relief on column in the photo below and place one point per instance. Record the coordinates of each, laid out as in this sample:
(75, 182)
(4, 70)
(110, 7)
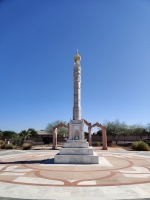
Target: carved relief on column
(77, 87)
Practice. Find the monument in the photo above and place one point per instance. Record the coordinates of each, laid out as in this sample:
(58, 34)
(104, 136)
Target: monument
(76, 149)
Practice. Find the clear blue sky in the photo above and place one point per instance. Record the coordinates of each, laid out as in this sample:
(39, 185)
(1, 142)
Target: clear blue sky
(38, 39)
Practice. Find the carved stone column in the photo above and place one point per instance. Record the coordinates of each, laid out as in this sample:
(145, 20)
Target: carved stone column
(77, 87)
(104, 136)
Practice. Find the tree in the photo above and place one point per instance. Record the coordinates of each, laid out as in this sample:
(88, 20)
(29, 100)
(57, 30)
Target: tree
(9, 134)
(26, 134)
(99, 132)
(148, 130)
(139, 130)
(17, 140)
(116, 129)
(86, 133)
(61, 130)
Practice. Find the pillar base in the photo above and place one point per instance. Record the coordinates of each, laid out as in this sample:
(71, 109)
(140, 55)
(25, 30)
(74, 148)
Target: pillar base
(76, 152)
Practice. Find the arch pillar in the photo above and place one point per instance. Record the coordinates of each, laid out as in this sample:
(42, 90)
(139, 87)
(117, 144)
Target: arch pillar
(68, 131)
(54, 138)
(55, 134)
(104, 136)
(90, 138)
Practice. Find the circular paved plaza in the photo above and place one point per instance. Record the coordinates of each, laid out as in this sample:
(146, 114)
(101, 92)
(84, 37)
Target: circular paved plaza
(33, 175)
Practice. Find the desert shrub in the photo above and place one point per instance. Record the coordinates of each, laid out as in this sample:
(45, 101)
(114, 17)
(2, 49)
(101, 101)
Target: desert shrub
(14, 147)
(113, 144)
(1, 142)
(140, 146)
(26, 146)
(134, 145)
(109, 142)
(8, 146)
(97, 144)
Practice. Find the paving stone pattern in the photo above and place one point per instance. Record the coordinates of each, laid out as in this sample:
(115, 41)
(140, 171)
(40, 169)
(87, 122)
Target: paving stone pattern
(33, 175)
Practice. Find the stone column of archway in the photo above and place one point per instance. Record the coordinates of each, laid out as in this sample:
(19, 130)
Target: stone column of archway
(55, 133)
(90, 138)
(104, 136)
(54, 138)
(68, 131)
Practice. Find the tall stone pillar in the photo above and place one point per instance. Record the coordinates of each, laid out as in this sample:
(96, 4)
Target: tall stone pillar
(77, 87)
(76, 149)
(76, 125)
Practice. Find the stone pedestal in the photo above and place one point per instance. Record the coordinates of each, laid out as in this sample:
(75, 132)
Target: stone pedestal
(76, 144)
(76, 152)
(76, 130)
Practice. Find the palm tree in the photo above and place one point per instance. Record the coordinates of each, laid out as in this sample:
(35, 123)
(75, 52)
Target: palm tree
(26, 134)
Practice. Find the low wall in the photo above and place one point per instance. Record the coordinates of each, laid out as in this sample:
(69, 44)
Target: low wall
(37, 140)
(98, 138)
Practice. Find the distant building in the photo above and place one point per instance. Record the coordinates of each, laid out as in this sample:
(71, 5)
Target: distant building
(43, 133)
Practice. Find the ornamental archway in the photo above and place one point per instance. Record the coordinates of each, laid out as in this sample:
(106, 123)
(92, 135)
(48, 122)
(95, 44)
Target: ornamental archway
(55, 128)
(90, 126)
(104, 136)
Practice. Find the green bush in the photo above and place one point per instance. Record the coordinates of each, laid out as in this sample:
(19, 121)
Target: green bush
(26, 146)
(8, 146)
(140, 146)
(97, 144)
(17, 140)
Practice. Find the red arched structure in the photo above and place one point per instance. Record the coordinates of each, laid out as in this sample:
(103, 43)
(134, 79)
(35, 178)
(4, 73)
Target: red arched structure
(90, 126)
(104, 136)
(55, 133)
